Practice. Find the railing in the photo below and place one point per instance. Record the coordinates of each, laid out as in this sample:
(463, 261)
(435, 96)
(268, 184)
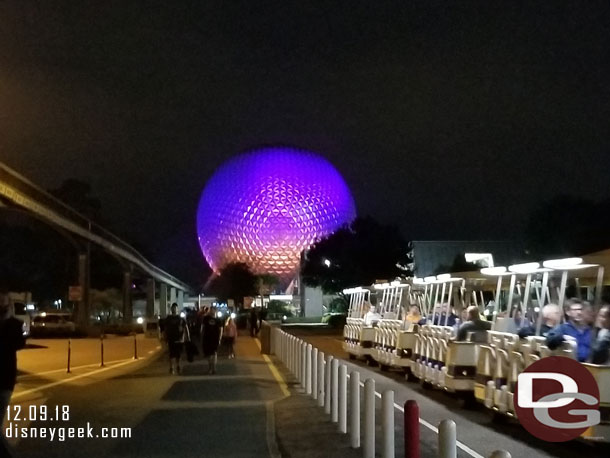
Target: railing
(325, 379)
(23, 193)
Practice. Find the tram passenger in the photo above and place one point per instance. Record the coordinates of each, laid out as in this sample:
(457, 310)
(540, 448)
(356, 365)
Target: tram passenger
(371, 316)
(551, 316)
(600, 347)
(517, 321)
(576, 329)
(414, 315)
(473, 324)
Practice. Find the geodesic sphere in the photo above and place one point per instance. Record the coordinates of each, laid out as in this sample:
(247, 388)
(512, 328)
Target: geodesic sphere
(265, 206)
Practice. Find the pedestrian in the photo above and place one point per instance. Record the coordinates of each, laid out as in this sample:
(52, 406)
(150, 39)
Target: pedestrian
(211, 333)
(11, 340)
(230, 334)
(253, 322)
(176, 333)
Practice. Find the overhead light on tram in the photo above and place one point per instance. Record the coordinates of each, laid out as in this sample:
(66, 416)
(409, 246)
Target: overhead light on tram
(395, 283)
(525, 268)
(443, 277)
(562, 263)
(430, 279)
(494, 270)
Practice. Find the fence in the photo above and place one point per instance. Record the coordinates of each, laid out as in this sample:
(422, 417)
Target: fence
(325, 379)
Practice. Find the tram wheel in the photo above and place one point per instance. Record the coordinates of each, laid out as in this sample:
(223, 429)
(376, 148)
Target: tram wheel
(426, 385)
(352, 357)
(384, 367)
(371, 362)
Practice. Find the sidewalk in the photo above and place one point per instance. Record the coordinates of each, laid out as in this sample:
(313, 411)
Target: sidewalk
(242, 411)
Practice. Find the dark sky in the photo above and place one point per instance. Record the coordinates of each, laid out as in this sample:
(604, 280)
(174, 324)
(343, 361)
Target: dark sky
(451, 119)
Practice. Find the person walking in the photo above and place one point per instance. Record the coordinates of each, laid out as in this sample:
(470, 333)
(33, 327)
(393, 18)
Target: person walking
(253, 322)
(176, 333)
(230, 334)
(211, 333)
(11, 340)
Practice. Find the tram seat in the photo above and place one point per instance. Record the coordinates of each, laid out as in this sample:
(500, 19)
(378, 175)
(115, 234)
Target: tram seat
(460, 371)
(600, 432)
(486, 367)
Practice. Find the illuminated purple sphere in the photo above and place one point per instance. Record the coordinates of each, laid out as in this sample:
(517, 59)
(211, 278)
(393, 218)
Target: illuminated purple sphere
(265, 206)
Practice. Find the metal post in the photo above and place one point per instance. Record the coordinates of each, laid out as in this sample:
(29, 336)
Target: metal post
(368, 451)
(314, 373)
(598, 288)
(327, 389)
(334, 415)
(102, 350)
(135, 345)
(354, 406)
(321, 379)
(545, 279)
(308, 369)
(304, 366)
(343, 399)
(69, 354)
(447, 439)
(411, 429)
(387, 415)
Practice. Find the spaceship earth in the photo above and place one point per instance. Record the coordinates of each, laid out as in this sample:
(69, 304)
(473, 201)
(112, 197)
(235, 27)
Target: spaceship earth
(267, 205)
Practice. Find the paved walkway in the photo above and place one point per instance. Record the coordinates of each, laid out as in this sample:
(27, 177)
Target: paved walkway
(250, 408)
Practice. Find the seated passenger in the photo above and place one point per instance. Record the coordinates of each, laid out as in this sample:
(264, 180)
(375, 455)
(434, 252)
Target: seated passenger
(474, 324)
(575, 329)
(440, 315)
(551, 317)
(371, 316)
(600, 347)
(516, 322)
(414, 316)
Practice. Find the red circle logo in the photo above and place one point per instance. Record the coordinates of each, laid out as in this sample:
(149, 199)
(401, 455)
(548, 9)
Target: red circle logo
(557, 399)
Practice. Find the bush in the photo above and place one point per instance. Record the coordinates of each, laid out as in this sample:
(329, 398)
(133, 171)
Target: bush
(334, 320)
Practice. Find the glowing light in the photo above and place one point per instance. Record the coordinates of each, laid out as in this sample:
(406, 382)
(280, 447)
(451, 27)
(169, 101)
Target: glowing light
(140, 320)
(562, 263)
(183, 314)
(526, 268)
(264, 207)
(494, 271)
(219, 314)
(233, 315)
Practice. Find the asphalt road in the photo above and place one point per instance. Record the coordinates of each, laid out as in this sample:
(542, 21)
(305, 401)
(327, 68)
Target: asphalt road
(476, 428)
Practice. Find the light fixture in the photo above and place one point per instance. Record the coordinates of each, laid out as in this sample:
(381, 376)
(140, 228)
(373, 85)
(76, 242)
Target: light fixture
(443, 277)
(140, 320)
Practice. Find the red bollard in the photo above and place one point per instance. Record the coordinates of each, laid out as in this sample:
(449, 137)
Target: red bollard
(411, 430)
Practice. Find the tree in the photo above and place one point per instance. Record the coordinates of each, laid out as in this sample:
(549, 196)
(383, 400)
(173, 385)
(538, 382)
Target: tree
(459, 265)
(568, 226)
(234, 281)
(357, 254)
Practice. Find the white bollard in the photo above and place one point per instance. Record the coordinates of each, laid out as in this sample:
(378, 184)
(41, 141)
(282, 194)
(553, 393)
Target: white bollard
(354, 408)
(343, 399)
(387, 414)
(447, 439)
(500, 454)
(308, 369)
(314, 373)
(321, 379)
(303, 365)
(334, 397)
(327, 388)
(368, 449)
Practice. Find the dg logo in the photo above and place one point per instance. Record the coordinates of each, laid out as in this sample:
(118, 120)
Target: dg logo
(557, 399)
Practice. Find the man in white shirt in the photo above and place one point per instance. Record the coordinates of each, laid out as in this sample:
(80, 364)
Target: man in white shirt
(371, 316)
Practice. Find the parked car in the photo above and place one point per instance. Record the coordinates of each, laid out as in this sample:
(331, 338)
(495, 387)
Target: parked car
(52, 324)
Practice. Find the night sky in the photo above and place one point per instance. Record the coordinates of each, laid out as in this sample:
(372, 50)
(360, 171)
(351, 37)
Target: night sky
(451, 119)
